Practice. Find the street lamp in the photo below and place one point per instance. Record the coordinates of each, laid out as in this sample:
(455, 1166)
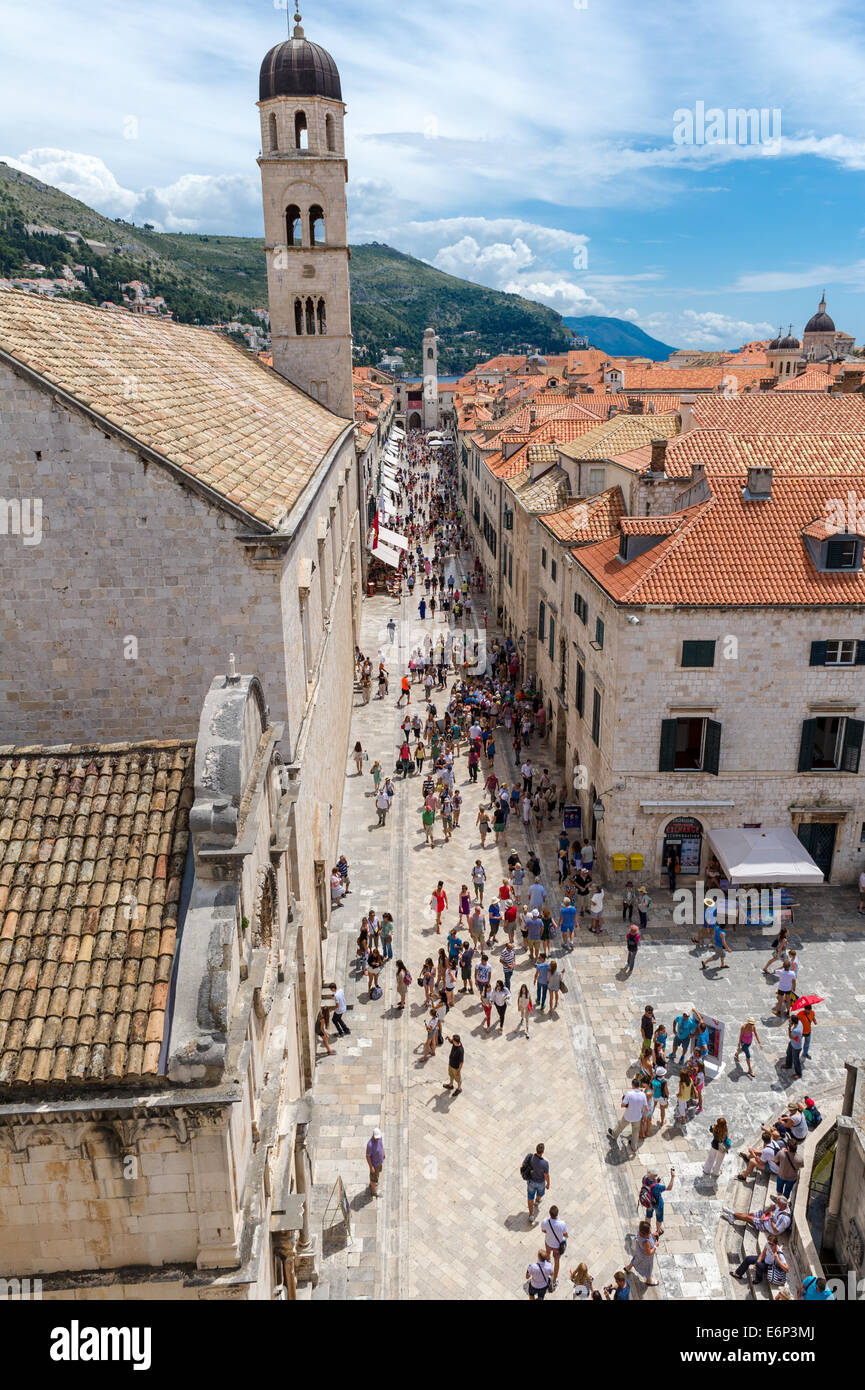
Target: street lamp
(521, 643)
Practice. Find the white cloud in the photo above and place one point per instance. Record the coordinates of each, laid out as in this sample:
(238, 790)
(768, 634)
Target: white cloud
(707, 329)
(489, 264)
(192, 203)
(562, 295)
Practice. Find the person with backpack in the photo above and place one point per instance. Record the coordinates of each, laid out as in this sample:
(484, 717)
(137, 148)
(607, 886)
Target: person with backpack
(535, 1172)
(540, 1277)
(651, 1197)
(661, 1093)
(721, 1144)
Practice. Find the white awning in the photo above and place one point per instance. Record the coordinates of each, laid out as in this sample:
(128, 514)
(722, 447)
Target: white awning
(774, 855)
(392, 538)
(384, 552)
(389, 474)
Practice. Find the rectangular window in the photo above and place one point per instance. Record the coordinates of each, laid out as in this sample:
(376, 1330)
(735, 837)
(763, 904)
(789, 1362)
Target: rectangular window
(581, 608)
(542, 620)
(543, 558)
(552, 643)
(596, 717)
(580, 691)
(597, 478)
(843, 652)
(830, 743)
(698, 653)
(690, 745)
(842, 554)
(554, 569)
(599, 633)
(511, 569)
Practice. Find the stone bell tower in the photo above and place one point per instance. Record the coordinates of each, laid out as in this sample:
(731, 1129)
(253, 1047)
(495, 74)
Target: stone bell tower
(303, 183)
(430, 372)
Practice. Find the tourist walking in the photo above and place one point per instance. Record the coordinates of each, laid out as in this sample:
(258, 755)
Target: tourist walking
(718, 1149)
(535, 1170)
(748, 1035)
(455, 1064)
(634, 1107)
(501, 999)
(540, 1277)
(524, 1007)
(375, 1157)
(643, 1259)
(555, 1234)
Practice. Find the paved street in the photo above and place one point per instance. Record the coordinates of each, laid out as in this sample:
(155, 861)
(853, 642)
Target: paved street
(451, 1220)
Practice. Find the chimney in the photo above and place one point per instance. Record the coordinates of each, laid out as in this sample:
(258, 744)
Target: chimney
(659, 455)
(636, 405)
(759, 485)
(686, 410)
(533, 415)
(614, 409)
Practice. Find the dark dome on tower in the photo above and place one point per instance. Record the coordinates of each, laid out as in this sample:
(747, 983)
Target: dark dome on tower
(298, 68)
(821, 322)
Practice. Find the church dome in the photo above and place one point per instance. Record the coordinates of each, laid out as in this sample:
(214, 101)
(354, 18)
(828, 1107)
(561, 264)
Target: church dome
(821, 322)
(298, 68)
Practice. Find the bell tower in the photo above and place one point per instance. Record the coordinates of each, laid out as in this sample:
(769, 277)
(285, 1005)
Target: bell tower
(430, 372)
(303, 184)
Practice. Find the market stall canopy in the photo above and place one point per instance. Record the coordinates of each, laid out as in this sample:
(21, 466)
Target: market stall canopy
(384, 552)
(392, 538)
(773, 855)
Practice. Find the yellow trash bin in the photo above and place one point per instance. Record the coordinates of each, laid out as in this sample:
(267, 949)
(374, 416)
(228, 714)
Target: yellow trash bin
(636, 862)
(620, 863)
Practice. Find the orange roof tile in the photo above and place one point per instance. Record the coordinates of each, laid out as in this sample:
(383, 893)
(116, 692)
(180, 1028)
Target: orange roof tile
(588, 519)
(93, 844)
(728, 551)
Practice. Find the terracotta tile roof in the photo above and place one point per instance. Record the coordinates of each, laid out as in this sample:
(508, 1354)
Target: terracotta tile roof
(589, 519)
(726, 451)
(583, 360)
(93, 844)
(651, 525)
(603, 401)
(775, 412)
(560, 408)
(542, 453)
(544, 494)
(636, 460)
(812, 379)
(728, 551)
(622, 433)
(188, 394)
(685, 378)
(558, 431)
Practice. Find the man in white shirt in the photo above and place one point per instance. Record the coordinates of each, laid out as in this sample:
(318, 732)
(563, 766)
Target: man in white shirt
(382, 805)
(339, 1008)
(556, 1236)
(596, 909)
(528, 773)
(634, 1107)
(540, 1276)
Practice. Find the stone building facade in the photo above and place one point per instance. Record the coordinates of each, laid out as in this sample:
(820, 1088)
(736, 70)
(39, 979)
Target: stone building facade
(152, 1139)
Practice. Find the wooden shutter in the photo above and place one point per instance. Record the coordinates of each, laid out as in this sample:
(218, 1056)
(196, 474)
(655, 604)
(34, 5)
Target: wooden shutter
(806, 747)
(860, 653)
(542, 614)
(852, 745)
(712, 747)
(580, 693)
(818, 653)
(669, 733)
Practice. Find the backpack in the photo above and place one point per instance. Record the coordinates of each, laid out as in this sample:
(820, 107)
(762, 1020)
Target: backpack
(813, 1118)
(526, 1168)
(408, 977)
(647, 1197)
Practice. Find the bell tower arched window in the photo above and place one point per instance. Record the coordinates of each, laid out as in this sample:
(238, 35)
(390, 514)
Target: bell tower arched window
(298, 317)
(310, 316)
(321, 315)
(293, 226)
(330, 132)
(272, 136)
(301, 132)
(316, 226)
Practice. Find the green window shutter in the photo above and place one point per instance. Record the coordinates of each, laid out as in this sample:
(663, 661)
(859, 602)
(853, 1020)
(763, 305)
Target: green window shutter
(552, 646)
(596, 718)
(818, 653)
(712, 747)
(806, 747)
(852, 745)
(580, 692)
(669, 732)
(599, 632)
(860, 653)
(542, 620)
(698, 653)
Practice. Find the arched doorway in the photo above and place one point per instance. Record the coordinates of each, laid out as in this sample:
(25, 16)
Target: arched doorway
(414, 421)
(684, 834)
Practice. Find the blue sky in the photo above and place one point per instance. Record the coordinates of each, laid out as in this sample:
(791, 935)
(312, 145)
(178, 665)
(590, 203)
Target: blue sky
(534, 148)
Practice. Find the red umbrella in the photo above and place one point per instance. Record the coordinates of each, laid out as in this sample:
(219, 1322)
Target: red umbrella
(806, 1001)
